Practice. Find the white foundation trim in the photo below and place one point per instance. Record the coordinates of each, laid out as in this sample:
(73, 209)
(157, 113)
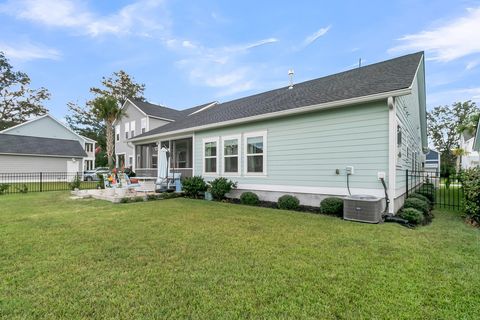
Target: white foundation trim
(310, 190)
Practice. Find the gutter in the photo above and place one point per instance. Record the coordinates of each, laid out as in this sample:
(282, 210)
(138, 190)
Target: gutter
(272, 115)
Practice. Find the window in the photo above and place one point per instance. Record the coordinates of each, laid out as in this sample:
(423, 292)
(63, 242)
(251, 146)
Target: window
(132, 129)
(231, 154)
(88, 147)
(117, 132)
(255, 153)
(210, 153)
(127, 128)
(130, 161)
(399, 135)
(143, 125)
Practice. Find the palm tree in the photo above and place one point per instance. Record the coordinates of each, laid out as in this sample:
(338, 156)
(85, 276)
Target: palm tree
(108, 110)
(459, 153)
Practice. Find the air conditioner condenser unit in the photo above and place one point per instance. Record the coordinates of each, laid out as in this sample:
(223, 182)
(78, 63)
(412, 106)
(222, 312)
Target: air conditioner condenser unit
(363, 208)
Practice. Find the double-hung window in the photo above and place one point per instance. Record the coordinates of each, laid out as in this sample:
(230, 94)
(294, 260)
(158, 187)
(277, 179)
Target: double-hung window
(127, 128)
(143, 125)
(132, 129)
(117, 132)
(256, 153)
(231, 153)
(210, 156)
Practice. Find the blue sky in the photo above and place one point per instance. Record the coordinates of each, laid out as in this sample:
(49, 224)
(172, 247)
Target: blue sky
(188, 53)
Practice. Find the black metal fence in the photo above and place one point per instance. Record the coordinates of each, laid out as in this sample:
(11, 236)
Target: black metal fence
(42, 181)
(446, 192)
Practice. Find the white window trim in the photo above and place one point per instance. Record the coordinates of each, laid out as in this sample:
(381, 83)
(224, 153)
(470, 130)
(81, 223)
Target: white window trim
(262, 134)
(238, 137)
(204, 141)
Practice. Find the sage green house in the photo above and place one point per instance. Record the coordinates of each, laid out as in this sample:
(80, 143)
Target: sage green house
(302, 139)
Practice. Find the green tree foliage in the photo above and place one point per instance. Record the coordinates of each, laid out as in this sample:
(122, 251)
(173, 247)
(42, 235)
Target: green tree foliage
(18, 101)
(119, 86)
(444, 124)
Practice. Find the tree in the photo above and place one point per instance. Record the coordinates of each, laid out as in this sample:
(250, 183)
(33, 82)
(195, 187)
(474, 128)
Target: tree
(119, 86)
(18, 101)
(107, 110)
(444, 123)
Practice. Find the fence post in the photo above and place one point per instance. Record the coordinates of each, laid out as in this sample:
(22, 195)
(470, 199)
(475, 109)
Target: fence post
(41, 181)
(406, 180)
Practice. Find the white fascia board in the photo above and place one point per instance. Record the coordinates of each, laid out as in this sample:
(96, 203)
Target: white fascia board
(272, 115)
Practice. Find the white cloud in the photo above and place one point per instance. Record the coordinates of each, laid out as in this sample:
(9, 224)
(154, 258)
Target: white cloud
(455, 39)
(450, 96)
(136, 18)
(29, 51)
(313, 37)
(219, 68)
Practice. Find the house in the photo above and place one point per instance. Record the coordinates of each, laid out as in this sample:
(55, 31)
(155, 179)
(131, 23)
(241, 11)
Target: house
(140, 117)
(476, 142)
(27, 154)
(471, 158)
(301, 139)
(53, 131)
(432, 162)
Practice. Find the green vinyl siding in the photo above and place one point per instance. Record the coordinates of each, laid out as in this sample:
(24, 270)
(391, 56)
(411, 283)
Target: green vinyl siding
(408, 116)
(305, 150)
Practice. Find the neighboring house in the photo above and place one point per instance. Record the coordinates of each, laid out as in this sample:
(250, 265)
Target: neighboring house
(26, 154)
(47, 126)
(471, 158)
(432, 162)
(476, 142)
(141, 117)
(301, 140)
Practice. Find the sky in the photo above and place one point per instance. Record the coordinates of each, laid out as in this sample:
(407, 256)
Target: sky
(191, 52)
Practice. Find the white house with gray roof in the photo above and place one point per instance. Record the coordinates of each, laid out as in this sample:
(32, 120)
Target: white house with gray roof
(141, 117)
(48, 137)
(301, 140)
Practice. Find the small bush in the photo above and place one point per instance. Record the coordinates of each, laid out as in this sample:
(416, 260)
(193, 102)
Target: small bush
(192, 186)
(125, 200)
(22, 188)
(288, 202)
(101, 182)
(75, 184)
(471, 194)
(221, 186)
(421, 197)
(413, 216)
(249, 198)
(418, 204)
(3, 188)
(332, 205)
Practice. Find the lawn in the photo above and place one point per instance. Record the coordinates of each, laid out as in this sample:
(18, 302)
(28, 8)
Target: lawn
(181, 258)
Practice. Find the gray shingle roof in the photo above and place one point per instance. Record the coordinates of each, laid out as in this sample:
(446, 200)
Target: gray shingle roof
(10, 143)
(382, 77)
(155, 110)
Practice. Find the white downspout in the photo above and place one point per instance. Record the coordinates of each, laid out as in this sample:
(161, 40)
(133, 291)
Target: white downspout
(392, 152)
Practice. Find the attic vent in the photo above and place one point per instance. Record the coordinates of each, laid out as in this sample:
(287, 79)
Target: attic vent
(290, 74)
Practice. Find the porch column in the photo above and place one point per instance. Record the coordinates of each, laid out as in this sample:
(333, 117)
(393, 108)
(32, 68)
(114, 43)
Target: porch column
(392, 153)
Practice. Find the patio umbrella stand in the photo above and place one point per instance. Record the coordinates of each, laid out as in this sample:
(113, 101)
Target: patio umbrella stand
(162, 183)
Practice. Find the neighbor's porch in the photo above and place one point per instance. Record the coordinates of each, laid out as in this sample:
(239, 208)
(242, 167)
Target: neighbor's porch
(181, 157)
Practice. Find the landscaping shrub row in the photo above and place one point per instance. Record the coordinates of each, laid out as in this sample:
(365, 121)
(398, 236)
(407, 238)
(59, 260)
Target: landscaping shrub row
(471, 192)
(417, 208)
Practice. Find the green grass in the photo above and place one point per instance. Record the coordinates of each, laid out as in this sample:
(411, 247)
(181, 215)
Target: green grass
(73, 259)
(49, 186)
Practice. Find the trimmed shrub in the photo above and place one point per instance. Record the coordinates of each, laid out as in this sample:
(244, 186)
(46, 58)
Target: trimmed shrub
(421, 197)
(332, 206)
(288, 202)
(249, 198)
(471, 194)
(221, 186)
(413, 216)
(192, 186)
(418, 204)
(3, 188)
